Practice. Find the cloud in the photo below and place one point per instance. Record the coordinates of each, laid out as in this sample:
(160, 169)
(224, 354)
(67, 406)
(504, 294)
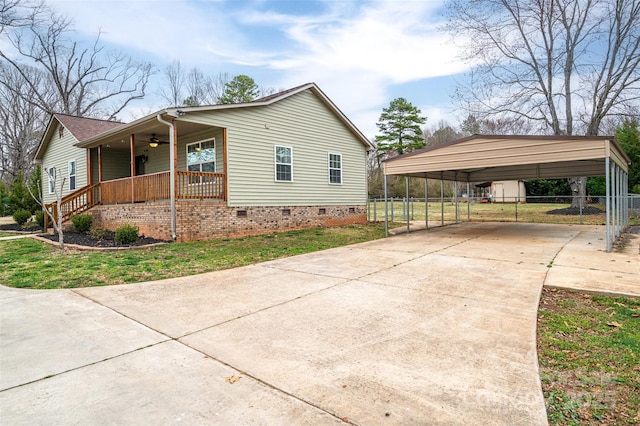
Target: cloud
(358, 52)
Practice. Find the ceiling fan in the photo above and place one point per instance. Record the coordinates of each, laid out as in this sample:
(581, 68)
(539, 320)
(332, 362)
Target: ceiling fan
(154, 141)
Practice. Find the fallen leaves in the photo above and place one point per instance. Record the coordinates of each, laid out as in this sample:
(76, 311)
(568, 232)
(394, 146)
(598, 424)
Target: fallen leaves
(232, 379)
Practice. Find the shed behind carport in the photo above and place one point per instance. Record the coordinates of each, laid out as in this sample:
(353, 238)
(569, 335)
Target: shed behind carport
(481, 158)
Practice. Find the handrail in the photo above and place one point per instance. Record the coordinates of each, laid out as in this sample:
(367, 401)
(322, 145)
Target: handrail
(77, 202)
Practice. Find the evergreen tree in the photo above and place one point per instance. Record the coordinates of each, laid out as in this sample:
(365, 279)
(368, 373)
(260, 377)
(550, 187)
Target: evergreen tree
(399, 125)
(241, 88)
(628, 134)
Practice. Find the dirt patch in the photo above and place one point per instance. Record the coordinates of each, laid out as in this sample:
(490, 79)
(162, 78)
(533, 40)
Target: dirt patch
(108, 242)
(575, 211)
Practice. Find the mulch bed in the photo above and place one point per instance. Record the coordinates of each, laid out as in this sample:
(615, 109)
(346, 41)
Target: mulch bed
(86, 240)
(575, 211)
(14, 227)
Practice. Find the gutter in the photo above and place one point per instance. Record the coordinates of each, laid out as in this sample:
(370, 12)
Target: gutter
(172, 174)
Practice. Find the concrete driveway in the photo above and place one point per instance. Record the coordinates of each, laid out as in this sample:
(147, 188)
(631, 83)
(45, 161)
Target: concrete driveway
(434, 327)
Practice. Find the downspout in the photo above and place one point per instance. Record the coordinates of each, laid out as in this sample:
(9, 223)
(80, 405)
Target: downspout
(172, 174)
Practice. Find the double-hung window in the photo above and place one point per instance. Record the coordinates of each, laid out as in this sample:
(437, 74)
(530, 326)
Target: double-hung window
(284, 163)
(52, 180)
(201, 157)
(72, 175)
(335, 169)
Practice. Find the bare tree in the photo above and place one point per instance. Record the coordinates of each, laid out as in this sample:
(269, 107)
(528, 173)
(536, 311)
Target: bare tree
(21, 122)
(443, 132)
(192, 88)
(564, 65)
(43, 70)
(81, 81)
(173, 89)
(18, 13)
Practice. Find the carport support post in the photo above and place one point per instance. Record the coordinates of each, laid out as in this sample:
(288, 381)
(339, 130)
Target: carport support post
(406, 186)
(607, 180)
(441, 199)
(386, 209)
(468, 203)
(426, 203)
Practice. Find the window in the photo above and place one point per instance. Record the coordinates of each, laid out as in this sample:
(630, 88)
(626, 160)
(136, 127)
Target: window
(201, 157)
(284, 163)
(72, 175)
(52, 180)
(335, 168)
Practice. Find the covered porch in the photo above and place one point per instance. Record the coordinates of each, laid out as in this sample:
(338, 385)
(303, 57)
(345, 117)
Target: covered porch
(154, 159)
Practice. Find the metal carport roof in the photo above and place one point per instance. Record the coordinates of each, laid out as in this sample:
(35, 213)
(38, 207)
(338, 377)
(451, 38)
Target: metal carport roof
(481, 158)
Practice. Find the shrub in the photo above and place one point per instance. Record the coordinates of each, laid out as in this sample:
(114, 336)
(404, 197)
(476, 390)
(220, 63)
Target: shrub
(21, 216)
(126, 234)
(99, 233)
(82, 222)
(40, 218)
(29, 225)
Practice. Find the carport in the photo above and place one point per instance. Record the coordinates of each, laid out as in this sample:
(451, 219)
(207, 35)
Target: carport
(482, 158)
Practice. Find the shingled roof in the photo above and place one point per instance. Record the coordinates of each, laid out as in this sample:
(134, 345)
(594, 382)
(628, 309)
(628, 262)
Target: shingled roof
(84, 128)
(81, 128)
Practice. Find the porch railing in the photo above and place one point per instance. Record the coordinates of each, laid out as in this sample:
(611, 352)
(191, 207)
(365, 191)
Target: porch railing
(151, 187)
(75, 203)
(201, 185)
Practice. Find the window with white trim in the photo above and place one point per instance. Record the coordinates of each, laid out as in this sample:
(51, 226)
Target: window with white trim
(284, 163)
(72, 175)
(201, 156)
(52, 180)
(335, 169)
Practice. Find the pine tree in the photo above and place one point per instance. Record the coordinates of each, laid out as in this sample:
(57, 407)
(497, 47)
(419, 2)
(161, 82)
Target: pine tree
(399, 125)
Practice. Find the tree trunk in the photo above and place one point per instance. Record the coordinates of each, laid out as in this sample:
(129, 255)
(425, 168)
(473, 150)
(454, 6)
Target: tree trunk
(579, 192)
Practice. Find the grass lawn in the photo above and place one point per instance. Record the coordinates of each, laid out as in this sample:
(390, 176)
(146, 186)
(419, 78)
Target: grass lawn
(27, 263)
(588, 346)
(589, 355)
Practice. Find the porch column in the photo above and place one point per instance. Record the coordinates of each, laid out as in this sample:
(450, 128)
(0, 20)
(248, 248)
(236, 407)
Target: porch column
(89, 177)
(99, 163)
(132, 149)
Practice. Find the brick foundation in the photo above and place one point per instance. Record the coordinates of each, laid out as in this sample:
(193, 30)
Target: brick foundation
(200, 220)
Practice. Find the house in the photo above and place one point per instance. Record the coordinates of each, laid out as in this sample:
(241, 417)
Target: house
(290, 160)
(504, 191)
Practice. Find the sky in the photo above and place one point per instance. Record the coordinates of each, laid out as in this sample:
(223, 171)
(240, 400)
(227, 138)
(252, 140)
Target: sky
(362, 54)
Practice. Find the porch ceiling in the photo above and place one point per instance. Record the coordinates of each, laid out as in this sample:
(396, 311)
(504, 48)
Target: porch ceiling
(143, 132)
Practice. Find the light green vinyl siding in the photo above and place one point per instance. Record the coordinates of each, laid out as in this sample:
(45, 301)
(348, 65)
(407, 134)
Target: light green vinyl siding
(58, 154)
(116, 163)
(305, 124)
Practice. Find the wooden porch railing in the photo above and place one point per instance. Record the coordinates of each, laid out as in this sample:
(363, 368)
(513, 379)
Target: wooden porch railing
(75, 203)
(151, 187)
(201, 185)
